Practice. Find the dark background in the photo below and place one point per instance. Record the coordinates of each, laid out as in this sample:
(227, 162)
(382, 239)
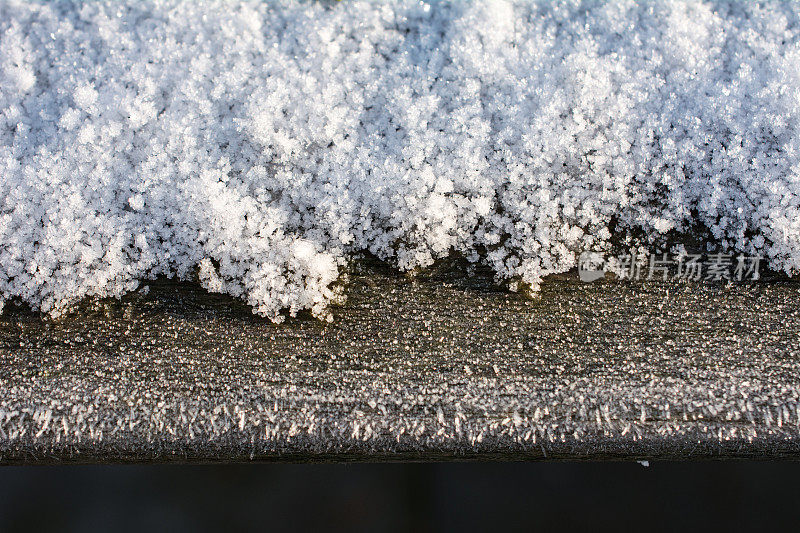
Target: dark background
(712, 496)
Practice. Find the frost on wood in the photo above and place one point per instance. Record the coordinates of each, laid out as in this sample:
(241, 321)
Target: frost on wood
(254, 145)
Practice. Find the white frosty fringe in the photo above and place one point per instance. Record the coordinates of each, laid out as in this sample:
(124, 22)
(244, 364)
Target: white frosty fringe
(256, 144)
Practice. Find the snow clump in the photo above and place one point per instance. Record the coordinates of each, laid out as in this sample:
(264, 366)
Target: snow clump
(256, 145)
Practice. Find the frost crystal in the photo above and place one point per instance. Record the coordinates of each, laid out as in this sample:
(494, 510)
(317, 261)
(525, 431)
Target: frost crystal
(255, 145)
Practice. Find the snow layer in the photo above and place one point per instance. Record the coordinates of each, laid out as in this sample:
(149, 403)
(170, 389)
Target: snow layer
(256, 144)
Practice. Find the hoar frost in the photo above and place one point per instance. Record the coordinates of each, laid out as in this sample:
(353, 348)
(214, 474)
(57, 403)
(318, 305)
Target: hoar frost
(255, 145)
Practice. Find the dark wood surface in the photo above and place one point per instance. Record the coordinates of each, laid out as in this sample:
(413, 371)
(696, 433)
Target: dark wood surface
(441, 366)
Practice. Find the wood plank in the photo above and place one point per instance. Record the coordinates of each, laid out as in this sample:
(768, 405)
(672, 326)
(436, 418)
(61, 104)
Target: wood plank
(441, 366)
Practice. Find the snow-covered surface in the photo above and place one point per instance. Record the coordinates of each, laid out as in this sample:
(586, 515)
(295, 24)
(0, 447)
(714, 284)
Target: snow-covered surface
(256, 144)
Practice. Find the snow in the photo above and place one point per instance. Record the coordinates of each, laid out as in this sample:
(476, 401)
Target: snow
(255, 146)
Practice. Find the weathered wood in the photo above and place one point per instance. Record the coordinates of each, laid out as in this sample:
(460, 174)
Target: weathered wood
(440, 366)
